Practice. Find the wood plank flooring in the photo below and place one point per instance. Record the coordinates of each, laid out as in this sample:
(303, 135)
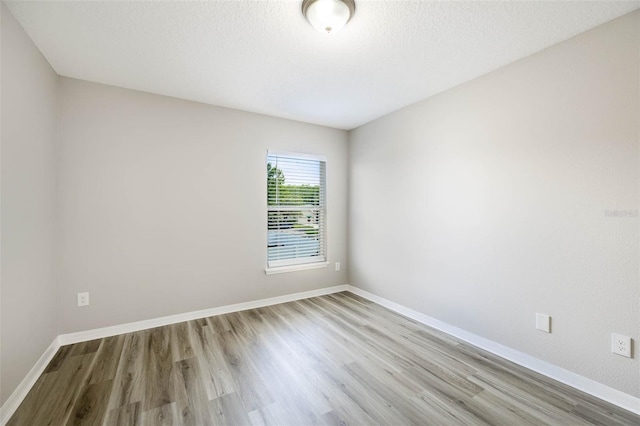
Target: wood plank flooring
(334, 360)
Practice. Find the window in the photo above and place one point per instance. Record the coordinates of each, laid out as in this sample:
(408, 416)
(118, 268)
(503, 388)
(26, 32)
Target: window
(295, 209)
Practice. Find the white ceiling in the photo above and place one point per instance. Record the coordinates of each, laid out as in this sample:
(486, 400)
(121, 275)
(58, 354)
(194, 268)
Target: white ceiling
(262, 56)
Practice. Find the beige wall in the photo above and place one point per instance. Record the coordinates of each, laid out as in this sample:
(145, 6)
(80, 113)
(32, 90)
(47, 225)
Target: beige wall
(486, 204)
(162, 205)
(28, 306)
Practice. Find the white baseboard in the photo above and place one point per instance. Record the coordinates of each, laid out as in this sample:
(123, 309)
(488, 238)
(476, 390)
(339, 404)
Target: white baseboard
(597, 389)
(99, 333)
(13, 402)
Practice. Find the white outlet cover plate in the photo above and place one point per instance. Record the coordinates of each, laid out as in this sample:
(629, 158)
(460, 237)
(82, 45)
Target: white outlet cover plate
(543, 323)
(83, 299)
(621, 345)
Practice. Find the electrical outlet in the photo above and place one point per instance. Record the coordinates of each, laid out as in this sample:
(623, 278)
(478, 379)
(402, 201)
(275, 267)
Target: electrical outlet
(83, 299)
(337, 266)
(621, 345)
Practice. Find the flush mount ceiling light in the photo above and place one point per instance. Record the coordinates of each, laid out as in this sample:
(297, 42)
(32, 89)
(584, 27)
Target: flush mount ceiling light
(328, 16)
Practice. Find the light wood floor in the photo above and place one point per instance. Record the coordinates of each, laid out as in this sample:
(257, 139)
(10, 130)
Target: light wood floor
(336, 359)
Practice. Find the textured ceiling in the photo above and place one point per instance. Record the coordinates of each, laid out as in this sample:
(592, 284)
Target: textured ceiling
(262, 56)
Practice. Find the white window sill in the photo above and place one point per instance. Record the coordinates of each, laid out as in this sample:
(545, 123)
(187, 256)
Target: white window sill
(292, 268)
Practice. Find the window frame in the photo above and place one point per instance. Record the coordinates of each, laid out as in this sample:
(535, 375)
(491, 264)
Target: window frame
(299, 263)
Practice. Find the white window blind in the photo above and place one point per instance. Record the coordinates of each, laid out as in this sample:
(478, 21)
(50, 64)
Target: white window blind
(295, 209)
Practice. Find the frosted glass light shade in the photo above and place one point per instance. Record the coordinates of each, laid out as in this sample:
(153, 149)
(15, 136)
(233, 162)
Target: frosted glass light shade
(328, 16)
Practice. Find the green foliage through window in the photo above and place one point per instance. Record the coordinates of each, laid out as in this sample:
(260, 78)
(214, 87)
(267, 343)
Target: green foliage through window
(281, 193)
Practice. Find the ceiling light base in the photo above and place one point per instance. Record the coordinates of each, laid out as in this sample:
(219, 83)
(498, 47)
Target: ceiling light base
(328, 16)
